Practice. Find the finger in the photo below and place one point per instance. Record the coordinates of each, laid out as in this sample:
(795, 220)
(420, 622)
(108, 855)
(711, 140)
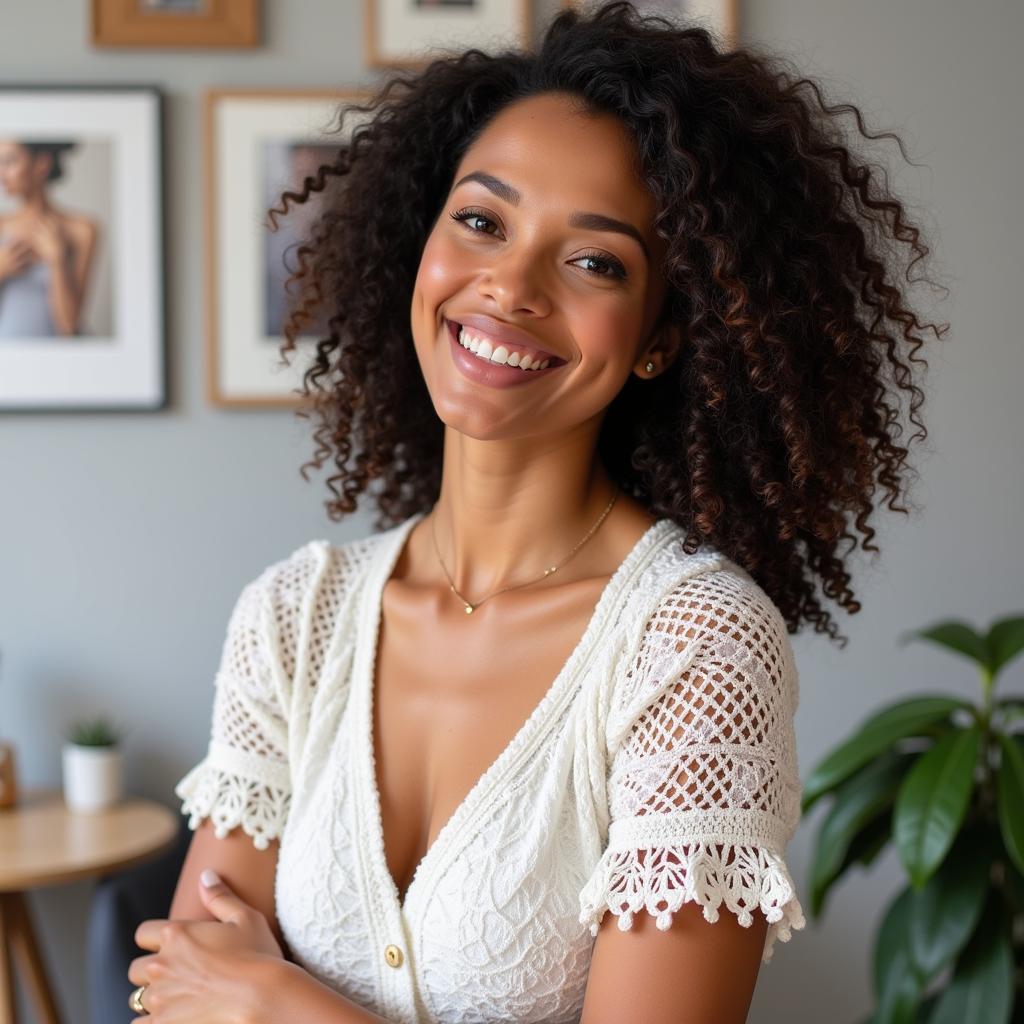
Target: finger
(220, 900)
(149, 934)
(139, 969)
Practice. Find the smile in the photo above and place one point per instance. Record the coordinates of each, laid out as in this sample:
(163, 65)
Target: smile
(475, 357)
(483, 348)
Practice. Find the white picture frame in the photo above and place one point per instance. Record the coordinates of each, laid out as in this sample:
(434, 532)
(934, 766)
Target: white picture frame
(108, 141)
(244, 128)
(408, 33)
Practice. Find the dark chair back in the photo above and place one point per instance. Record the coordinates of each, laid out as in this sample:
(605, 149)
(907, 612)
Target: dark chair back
(121, 902)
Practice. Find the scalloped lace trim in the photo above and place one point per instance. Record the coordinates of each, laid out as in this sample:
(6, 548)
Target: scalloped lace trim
(670, 876)
(231, 800)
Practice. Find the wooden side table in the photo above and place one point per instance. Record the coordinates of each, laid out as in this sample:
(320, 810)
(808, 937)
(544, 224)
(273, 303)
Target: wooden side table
(43, 843)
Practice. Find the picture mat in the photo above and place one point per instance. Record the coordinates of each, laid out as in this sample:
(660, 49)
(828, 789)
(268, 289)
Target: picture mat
(92, 371)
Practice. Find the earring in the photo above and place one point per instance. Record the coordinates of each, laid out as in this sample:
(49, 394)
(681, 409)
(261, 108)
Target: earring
(649, 367)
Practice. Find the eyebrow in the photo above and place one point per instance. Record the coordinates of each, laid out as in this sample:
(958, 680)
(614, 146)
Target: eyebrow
(577, 219)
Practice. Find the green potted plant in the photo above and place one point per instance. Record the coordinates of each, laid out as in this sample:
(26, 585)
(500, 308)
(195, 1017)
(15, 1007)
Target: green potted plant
(92, 764)
(943, 779)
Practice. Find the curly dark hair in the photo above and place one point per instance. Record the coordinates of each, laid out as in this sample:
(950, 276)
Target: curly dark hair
(778, 414)
(55, 150)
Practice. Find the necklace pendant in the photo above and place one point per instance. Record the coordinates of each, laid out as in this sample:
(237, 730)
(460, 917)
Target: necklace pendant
(469, 609)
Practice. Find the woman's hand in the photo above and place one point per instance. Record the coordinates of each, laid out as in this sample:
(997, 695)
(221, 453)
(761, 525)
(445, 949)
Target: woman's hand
(15, 258)
(208, 972)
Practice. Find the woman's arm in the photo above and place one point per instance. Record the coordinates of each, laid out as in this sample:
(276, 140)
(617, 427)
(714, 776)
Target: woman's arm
(692, 973)
(294, 994)
(298, 996)
(248, 871)
(52, 241)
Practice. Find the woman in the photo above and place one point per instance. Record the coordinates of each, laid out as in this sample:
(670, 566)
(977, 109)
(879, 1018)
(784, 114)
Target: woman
(559, 682)
(46, 253)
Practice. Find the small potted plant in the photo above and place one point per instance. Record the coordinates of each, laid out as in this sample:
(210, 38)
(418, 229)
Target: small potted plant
(92, 757)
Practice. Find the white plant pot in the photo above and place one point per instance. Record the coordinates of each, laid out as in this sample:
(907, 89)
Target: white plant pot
(93, 777)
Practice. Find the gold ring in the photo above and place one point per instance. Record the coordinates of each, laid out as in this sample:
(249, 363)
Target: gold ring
(135, 1000)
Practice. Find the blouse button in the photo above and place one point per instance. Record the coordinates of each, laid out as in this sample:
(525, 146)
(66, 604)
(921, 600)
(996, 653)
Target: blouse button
(393, 955)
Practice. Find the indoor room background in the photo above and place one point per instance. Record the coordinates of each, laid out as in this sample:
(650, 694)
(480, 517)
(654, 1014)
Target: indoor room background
(126, 535)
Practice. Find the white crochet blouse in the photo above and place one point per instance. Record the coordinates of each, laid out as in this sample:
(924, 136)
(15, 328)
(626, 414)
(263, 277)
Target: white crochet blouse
(659, 768)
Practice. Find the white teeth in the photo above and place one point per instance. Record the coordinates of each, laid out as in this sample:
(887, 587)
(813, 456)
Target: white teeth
(482, 348)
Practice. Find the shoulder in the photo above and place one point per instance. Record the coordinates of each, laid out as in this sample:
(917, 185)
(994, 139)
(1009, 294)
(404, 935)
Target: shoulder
(705, 596)
(81, 228)
(315, 583)
(707, 625)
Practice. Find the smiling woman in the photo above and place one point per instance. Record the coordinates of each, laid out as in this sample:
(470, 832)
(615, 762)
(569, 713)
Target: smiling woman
(608, 322)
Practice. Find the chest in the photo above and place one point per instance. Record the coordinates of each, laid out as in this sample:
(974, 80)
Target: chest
(449, 698)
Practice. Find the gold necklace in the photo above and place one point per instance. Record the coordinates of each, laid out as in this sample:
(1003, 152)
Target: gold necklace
(470, 608)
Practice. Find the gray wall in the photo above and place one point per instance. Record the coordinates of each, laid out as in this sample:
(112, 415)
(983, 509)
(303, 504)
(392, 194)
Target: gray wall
(128, 536)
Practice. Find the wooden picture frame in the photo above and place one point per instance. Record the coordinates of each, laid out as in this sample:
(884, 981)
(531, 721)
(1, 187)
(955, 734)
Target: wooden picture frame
(397, 35)
(102, 147)
(249, 134)
(721, 17)
(176, 23)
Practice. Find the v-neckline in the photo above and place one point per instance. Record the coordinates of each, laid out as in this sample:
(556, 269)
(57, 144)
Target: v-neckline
(368, 639)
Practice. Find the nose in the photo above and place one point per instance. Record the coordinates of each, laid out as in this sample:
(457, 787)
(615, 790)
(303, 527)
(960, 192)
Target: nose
(514, 282)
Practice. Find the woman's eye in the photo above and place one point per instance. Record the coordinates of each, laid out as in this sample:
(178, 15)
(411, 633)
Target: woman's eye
(467, 215)
(616, 268)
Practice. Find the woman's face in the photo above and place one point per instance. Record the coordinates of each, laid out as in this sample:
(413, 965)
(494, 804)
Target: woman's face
(583, 292)
(20, 174)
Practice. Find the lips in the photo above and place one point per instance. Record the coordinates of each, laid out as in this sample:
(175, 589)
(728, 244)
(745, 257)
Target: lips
(486, 372)
(501, 333)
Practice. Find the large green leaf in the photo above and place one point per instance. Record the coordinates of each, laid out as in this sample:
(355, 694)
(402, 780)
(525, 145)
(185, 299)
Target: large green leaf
(859, 800)
(1013, 886)
(1010, 797)
(879, 732)
(869, 842)
(933, 800)
(945, 912)
(957, 636)
(898, 986)
(1006, 641)
(982, 985)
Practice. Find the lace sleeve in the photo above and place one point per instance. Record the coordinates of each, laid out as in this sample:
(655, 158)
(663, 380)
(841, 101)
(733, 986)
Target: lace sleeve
(703, 787)
(244, 778)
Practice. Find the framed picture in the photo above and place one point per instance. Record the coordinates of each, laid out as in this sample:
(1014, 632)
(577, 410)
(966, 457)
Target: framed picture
(176, 23)
(403, 33)
(720, 16)
(259, 143)
(81, 248)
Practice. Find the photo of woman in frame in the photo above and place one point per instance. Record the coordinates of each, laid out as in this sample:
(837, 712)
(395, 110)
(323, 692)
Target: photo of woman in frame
(46, 250)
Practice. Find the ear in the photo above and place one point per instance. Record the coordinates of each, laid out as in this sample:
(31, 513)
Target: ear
(662, 350)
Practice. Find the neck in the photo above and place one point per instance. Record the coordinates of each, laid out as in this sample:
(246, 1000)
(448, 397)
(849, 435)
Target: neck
(35, 204)
(508, 512)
